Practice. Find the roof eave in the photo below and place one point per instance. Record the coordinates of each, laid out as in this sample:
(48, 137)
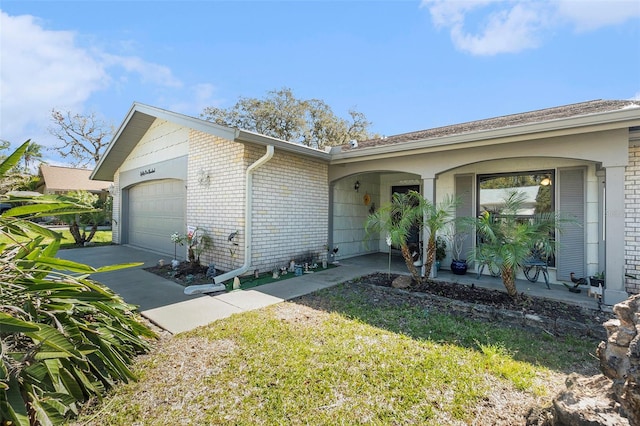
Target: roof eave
(256, 138)
(601, 121)
(140, 118)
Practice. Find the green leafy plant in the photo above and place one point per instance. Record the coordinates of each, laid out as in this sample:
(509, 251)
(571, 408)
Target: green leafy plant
(405, 212)
(64, 338)
(96, 211)
(506, 240)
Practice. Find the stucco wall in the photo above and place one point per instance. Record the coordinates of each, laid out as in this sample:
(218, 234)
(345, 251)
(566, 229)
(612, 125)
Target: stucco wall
(215, 196)
(632, 218)
(350, 213)
(290, 208)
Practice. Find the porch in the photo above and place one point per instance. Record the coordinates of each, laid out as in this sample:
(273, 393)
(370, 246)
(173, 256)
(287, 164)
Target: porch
(558, 292)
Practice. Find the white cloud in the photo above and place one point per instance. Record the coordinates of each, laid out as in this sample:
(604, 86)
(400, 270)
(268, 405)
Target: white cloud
(41, 70)
(44, 69)
(586, 15)
(510, 26)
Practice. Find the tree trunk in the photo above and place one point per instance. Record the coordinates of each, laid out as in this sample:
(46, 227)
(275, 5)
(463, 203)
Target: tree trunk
(509, 280)
(408, 259)
(74, 229)
(431, 254)
(94, 228)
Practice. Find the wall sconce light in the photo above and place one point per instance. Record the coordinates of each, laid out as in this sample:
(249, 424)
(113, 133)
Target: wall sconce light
(546, 181)
(203, 177)
(357, 185)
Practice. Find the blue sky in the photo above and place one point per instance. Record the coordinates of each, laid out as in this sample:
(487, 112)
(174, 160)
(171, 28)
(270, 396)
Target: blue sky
(407, 65)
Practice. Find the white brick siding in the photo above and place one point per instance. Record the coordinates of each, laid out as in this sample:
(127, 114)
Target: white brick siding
(217, 205)
(632, 219)
(290, 208)
(290, 203)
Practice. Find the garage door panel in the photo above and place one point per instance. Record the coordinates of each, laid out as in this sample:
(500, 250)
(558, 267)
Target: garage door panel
(156, 210)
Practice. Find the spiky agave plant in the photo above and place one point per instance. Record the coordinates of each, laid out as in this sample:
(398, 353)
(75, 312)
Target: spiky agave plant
(64, 337)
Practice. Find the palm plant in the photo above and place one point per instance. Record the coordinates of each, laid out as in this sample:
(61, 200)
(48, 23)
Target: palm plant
(64, 338)
(436, 217)
(405, 212)
(506, 241)
(395, 220)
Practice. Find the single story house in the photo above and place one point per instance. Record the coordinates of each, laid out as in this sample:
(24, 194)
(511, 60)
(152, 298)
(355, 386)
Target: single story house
(60, 180)
(265, 201)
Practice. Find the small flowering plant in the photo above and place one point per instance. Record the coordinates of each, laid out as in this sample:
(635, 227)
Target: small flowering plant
(177, 239)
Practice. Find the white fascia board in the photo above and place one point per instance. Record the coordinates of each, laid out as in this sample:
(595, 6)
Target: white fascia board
(628, 117)
(256, 138)
(158, 113)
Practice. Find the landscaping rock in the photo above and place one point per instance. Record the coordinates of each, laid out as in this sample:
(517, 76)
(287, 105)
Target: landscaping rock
(403, 281)
(611, 398)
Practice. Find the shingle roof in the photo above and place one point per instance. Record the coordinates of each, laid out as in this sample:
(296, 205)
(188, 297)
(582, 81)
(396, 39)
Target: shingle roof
(548, 114)
(58, 178)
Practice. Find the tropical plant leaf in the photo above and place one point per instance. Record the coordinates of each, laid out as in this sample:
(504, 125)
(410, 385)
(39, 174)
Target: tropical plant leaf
(12, 405)
(10, 324)
(14, 158)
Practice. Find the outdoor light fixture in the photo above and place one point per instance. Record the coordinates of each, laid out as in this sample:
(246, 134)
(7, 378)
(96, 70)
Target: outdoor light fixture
(357, 185)
(546, 181)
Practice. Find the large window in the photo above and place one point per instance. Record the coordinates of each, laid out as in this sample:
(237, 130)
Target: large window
(537, 186)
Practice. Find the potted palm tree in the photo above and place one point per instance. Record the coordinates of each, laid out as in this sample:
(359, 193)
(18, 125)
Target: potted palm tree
(506, 241)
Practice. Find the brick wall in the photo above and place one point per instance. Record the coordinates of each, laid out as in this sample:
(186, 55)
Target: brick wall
(216, 203)
(632, 218)
(290, 202)
(290, 208)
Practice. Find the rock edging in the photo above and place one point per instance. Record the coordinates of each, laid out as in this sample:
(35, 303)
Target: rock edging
(557, 326)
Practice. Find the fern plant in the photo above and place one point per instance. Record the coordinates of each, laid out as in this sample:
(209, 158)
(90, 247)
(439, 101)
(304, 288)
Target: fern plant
(64, 337)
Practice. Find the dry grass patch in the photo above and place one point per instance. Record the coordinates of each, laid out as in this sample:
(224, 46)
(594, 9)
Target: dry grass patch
(352, 361)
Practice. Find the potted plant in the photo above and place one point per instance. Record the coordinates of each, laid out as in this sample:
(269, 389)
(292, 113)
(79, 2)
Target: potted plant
(457, 236)
(597, 279)
(441, 251)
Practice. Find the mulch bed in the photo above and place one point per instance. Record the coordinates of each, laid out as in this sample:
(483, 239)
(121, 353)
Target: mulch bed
(500, 300)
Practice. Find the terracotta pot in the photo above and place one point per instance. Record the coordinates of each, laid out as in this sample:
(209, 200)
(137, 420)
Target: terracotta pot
(459, 267)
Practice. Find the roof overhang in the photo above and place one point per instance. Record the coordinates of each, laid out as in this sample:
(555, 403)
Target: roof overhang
(141, 117)
(624, 118)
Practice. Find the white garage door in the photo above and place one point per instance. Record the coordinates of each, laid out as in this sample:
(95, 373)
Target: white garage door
(156, 210)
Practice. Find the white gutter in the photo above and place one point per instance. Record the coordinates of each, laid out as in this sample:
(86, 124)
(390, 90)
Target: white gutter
(248, 213)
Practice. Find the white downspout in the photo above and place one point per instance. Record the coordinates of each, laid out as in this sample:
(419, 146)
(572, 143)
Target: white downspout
(248, 213)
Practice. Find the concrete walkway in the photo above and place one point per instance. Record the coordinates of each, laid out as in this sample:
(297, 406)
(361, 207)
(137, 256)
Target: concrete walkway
(164, 302)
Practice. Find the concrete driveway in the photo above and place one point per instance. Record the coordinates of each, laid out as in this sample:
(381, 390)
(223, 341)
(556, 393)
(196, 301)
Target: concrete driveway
(164, 303)
(135, 285)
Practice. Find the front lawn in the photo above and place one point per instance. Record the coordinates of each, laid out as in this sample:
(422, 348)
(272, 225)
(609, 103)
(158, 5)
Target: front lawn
(346, 355)
(101, 238)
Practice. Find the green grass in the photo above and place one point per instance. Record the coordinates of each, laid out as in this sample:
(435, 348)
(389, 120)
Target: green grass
(101, 238)
(357, 360)
(267, 278)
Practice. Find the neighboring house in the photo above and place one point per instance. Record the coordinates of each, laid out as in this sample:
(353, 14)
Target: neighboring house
(285, 200)
(60, 180)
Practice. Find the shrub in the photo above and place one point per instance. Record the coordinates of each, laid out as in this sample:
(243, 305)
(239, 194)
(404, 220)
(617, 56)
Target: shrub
(64, 337)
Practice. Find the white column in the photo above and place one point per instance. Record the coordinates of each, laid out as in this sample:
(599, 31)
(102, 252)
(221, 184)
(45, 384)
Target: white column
(429, 193)
(614, 236)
